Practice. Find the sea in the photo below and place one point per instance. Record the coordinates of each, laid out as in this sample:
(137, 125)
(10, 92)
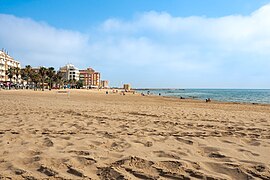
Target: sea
(260, 96)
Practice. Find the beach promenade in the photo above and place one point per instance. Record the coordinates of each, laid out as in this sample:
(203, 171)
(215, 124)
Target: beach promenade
(93, 135)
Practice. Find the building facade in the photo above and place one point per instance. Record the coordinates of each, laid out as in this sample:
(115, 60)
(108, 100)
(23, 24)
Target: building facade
(86, 76)
(127, 87)
(70, 72)
(96, 79)
(6, 62)
(90, 78)
(104, 84)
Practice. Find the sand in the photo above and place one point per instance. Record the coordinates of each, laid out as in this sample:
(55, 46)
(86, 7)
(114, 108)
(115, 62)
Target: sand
(91, 135)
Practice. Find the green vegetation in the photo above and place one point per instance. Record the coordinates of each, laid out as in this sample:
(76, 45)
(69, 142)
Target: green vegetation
(10, 74)
(41, 78)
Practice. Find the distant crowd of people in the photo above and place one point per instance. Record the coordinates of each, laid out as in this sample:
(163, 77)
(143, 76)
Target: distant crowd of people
(123, 92)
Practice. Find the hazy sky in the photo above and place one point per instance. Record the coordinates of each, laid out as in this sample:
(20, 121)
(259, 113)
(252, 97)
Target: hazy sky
(153, 43)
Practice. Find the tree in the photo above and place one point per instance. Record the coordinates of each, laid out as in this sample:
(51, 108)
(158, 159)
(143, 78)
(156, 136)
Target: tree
(65, 81)
(50, 73)
(35, 77)
(58, 79)
(10, 74)
(42, 72)
(79, 84)
(26, 73)
(72, 83)
(17, 72)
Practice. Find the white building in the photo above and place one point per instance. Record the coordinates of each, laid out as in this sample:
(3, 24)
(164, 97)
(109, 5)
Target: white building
(7, 62)
(70, 72)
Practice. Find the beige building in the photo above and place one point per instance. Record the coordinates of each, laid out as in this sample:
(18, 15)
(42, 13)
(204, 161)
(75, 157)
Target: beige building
(90, 78)
(104, 84)
(127, 87)
(6, 62)
(96, 79)
(70, 72)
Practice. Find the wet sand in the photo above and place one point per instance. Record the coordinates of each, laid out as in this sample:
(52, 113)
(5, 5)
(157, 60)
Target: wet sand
(91, 135)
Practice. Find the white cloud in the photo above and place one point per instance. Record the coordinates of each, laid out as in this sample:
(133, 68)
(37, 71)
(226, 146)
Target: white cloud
(38, 43)
(233, 48)
(236, 32)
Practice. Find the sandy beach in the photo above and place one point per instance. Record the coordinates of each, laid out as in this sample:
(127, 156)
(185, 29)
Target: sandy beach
(91, 135)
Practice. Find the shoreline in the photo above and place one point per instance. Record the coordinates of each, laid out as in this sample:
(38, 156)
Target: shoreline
(213, 101)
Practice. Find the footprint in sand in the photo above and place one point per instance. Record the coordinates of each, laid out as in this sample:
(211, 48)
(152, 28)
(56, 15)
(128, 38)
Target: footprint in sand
(166, 155)
(146, 144)
(171, 166)
(186, 141)
(249, 152)
(216, 155)
(120, 146)
(75, 172)
(19, 171)
(47, 142)
(47, 171)
(109, 173)
(253, 142)
(86, 161)
(80, 153)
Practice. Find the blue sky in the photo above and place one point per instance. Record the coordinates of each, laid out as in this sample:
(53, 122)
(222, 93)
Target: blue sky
(159, 44)
(82, 14)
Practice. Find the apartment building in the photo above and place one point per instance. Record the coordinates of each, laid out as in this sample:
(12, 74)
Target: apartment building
(70, 72)
(127, 87)
(90, 78)
(104, 84)
(96, 79)
(6, 62)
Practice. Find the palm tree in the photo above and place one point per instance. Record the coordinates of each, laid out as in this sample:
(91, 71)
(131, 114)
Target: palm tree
(42, 72)
(10, 74)
(79, 84)
(65, 81)
(72, 83)
(26, 73)
(35, 77)
(17, 72)
(50, 74)
(58, 78)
